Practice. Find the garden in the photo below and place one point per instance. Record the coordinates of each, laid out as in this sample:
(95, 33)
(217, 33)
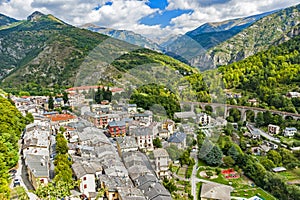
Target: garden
(243, 186)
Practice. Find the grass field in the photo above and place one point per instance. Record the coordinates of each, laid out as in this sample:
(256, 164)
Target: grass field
(243, 187)
(182, 171)
(291, 174)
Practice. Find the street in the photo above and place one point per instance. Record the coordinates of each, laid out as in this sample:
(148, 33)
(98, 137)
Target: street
(21, 175)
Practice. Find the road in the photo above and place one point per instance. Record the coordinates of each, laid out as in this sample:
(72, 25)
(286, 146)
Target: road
(268, 137)
(194, 179)
(22, 176)
(265, 135)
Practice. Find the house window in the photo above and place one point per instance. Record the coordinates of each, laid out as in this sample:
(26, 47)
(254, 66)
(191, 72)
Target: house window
(42, 180)
(84, 178)
(85, 186)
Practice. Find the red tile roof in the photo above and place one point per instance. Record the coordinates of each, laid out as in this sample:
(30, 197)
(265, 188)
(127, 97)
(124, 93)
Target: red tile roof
(61, 117)
(74, 89)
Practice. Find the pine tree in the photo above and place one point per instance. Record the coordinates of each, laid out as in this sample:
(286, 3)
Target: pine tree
(50, 103)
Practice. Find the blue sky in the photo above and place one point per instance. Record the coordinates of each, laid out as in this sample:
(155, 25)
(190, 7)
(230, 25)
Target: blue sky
(161, 4)
(163, 18)
(152, 18)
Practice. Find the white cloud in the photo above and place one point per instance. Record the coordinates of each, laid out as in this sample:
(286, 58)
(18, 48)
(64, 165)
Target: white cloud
(126, 14)
(230, 10)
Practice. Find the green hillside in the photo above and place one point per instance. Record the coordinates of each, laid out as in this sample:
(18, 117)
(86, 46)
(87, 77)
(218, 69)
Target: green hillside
(268, 76)
(5, 20)
(270, 30)
(12, 124)
(43, 51)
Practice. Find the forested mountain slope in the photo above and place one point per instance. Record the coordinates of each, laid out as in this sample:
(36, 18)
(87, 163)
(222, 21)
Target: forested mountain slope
(270, 30)
(268, 75)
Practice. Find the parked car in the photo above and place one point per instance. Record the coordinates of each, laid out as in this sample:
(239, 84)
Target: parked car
(17, 182)
(12, 171)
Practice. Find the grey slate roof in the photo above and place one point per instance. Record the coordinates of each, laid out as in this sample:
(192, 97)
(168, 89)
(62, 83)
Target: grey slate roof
(131, 193)
(148, 178)
(141, 131)
(81, 169)
(216, 191)
(127, 142)
(155, 191)
(38, 165)
(177, 137)
(158, 153)
(116, 123)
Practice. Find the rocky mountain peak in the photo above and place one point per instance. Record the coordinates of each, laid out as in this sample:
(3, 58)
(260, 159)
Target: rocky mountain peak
(35, 16)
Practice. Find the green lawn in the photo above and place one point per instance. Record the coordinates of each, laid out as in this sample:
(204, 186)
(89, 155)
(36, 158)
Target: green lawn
(250, 192)
(242, 186)
(181, 172)
(201, 163)
(291, 174)
(288, 141)
(19, 193)
(198, 190)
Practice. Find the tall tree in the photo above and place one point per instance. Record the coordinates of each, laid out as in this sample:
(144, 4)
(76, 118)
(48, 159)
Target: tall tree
(259, 120)
(50, 103)
(214, 156)
(65, 97)
(107, 94)
(99, 95)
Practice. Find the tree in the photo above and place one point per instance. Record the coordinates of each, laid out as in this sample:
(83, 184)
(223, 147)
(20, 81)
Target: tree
(169, 185)
(11, 124)
(65, 97)
(288, 158)
(250, 115)
(50, 103)
(275, 157)
(157, 143)
(29, 118)
(267, 163)
(275, 184)
(107, 95)
(99, 95)
(234, 115)
(61, 144)
(174, 152)
(259, 120)
(208, 109)
(214, 157)
(234, 151)
(268, 118)
(228, 161)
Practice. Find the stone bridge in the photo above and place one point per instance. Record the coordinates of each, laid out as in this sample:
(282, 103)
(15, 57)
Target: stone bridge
(242, 109)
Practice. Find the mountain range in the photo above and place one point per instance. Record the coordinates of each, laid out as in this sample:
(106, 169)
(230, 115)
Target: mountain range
(124, 35)
(219, 43)
(5, 20)
(45, 51)
(270, 30)
(211, 34)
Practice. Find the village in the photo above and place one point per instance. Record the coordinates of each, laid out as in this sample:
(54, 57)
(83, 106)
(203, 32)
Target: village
(121, 151)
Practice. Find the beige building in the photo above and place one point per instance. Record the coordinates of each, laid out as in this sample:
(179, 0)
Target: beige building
(215, 191)
(37, 169)
(161, 158)
(273, 129)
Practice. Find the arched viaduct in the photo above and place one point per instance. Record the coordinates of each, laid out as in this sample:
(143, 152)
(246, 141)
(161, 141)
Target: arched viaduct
(242, 109)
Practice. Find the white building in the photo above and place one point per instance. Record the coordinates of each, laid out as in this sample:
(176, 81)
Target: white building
(273, 129)
(289, 132)
(86, 174)
(204, 119)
